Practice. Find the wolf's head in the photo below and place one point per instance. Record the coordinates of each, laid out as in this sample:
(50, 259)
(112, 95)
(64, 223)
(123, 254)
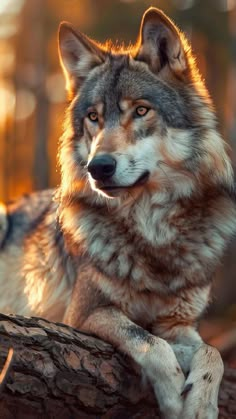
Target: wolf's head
(139, 118)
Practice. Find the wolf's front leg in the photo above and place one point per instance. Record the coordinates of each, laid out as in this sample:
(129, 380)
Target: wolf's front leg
(205, 370)
(154, 355)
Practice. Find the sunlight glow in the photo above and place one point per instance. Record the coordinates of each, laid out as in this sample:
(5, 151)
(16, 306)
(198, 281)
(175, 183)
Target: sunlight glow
(25, 104)
(9, 11)
(7, 100)
(55, 86)
(7, 58)
(11, 6)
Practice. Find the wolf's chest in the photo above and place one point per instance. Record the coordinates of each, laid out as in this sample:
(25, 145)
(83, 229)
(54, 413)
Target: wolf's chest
(124, 256)
(169, 251)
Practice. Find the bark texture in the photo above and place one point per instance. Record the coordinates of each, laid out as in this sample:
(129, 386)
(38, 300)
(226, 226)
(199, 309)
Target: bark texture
(58, 372)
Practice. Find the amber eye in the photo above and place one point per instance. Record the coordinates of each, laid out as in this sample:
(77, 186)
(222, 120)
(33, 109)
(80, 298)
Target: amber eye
(93, 116)
(141, 110)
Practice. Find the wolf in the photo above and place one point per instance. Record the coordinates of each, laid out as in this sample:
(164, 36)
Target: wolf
(127, 246)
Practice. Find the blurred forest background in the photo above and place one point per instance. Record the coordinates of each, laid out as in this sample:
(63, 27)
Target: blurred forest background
(32, 94)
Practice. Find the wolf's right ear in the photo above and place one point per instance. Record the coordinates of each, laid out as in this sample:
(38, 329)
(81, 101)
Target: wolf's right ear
(161, 43)
(78, 55)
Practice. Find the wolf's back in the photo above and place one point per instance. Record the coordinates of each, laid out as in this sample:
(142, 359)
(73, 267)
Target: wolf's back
(28, 248)
(20, 218)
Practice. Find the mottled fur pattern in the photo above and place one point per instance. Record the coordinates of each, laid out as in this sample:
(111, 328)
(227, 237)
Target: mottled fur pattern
(130, 255)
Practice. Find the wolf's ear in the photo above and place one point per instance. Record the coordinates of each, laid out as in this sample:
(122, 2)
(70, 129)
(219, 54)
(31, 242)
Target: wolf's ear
(160, 43)
(78, 55)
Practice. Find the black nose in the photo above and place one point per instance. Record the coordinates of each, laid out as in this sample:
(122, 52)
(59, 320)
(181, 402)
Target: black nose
(102, 167)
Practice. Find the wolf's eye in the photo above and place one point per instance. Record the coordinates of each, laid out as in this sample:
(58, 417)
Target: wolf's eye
(93, 116)
(141, 110)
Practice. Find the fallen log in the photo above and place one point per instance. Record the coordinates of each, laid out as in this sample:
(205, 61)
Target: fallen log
(58, 372)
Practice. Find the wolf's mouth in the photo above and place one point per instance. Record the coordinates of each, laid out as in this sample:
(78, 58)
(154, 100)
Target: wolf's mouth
(140, 181)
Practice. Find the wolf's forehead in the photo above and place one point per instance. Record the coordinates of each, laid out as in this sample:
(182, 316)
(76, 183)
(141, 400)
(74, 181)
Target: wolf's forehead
(117, 80)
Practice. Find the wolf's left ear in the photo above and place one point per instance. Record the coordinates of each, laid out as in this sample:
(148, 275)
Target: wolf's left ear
(78, 55)
(160, 43)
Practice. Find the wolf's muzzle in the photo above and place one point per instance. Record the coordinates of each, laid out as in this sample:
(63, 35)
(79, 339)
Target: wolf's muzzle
(102, 167)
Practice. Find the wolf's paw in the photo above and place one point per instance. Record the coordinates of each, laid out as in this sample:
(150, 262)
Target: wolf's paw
(171, 407)
(199, 402)
(162, 368)
(199, 410)
(200, 393)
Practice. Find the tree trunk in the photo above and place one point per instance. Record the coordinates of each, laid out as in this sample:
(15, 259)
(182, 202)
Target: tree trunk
(58, 372)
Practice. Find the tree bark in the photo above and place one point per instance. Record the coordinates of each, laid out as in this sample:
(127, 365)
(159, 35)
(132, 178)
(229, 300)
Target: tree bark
(58, 372)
